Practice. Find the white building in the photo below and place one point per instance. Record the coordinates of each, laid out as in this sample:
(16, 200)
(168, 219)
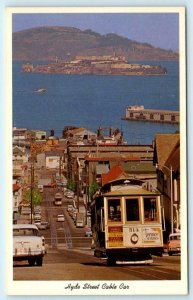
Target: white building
(17, 197)
(53, 160)
(20, 159)
(19, 134)
(80, 134)
(39, 134)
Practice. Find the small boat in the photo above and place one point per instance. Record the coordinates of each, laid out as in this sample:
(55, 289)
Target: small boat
(40, 90)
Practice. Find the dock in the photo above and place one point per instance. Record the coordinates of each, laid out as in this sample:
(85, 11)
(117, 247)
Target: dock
(139, 113)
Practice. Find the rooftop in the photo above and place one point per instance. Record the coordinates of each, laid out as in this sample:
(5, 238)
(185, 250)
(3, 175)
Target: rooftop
(165, 144)
(114, 173)
(130, 190)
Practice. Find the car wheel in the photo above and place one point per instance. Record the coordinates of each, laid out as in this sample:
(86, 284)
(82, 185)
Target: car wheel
(39, 261)
(111, 261)
(31, 261)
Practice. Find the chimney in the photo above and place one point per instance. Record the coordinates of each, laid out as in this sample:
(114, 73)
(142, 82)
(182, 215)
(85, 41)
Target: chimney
(99, 131)
(110, 131)
(52, 132)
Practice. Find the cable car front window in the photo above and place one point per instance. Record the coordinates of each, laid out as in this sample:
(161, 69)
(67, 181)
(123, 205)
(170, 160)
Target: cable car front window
(132, 209)
(114, 210)
(150, 210)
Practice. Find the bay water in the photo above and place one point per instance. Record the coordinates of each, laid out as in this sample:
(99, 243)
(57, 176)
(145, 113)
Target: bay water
(91, 101)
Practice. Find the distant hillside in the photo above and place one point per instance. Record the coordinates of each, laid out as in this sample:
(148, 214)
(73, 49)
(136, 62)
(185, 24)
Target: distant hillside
(47, 42)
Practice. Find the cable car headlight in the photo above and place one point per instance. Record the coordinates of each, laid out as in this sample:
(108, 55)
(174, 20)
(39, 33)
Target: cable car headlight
(134, 238)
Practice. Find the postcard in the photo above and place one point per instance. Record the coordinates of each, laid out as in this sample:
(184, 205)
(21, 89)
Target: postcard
(96, 139)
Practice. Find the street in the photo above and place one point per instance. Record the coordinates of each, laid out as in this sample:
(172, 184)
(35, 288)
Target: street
(70, 257)
(77, 264)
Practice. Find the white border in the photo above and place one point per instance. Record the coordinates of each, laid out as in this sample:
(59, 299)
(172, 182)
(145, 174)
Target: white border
(57, 287)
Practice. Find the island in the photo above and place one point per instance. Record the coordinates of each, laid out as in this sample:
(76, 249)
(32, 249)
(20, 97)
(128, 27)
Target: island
(96, 65)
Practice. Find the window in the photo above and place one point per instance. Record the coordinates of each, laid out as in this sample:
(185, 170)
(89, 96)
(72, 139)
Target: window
(150, 209)
(175, 238)
(162, 117)
(25, 231)
(114, 210)
(151, 116)
(173, 118)
(132, 209)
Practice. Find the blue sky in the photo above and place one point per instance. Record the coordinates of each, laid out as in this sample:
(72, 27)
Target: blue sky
(158, 29)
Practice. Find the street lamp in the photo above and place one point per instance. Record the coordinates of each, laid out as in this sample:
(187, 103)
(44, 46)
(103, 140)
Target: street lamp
(171, 193)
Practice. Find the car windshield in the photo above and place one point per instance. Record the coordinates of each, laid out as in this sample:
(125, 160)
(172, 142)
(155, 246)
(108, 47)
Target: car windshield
(25, 232)
(175, 237)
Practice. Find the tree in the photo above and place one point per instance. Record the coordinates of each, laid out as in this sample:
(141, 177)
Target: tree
(36, 196)
(93, 188)
(71, 185)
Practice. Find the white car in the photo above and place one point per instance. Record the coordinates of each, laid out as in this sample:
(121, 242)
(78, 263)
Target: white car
(60, 218)
(43, 225)
(37, 216)
(69, 195)
(28, 244)
(70, 207)
(174, 244)
(37, 223)
(88, 232)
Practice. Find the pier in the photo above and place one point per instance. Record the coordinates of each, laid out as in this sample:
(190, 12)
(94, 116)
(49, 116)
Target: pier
(139, 113)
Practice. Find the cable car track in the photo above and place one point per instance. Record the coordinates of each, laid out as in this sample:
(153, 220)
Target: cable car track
(156, 271)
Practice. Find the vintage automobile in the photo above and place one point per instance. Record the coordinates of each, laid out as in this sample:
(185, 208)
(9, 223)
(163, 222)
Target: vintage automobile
(70, 207)
(174, 245)
(28, 244)
(60, 218)
(88, 232)
(43, 225)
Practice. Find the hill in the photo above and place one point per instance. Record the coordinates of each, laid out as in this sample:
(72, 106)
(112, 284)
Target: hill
(48, 42)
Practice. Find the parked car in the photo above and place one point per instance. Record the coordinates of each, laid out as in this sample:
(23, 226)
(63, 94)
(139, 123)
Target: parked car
(92, 246)
(88, 232)
(37, 217)
(60, 218)
(37, 208)
(62, 184)
(80, 219)
(174, 243)
(70, 207)
(28, 244)
(37, 211)
(69, 195)
(40, 188)
(43, 225)
(37, 223)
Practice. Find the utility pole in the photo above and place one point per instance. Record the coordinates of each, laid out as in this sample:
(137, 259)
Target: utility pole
(32, 178)
(171, 194)
(31, 188)
(78, 193)
(172, 202)
(86, 202)
(77, 182)
(60, 167)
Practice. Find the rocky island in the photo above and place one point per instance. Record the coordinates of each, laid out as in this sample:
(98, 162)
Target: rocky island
(96, 65)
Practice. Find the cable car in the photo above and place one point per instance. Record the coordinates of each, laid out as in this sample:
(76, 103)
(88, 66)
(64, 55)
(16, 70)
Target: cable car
(126, 222)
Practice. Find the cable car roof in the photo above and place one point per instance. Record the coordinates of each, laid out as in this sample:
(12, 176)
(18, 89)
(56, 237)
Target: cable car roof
(130, 190)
